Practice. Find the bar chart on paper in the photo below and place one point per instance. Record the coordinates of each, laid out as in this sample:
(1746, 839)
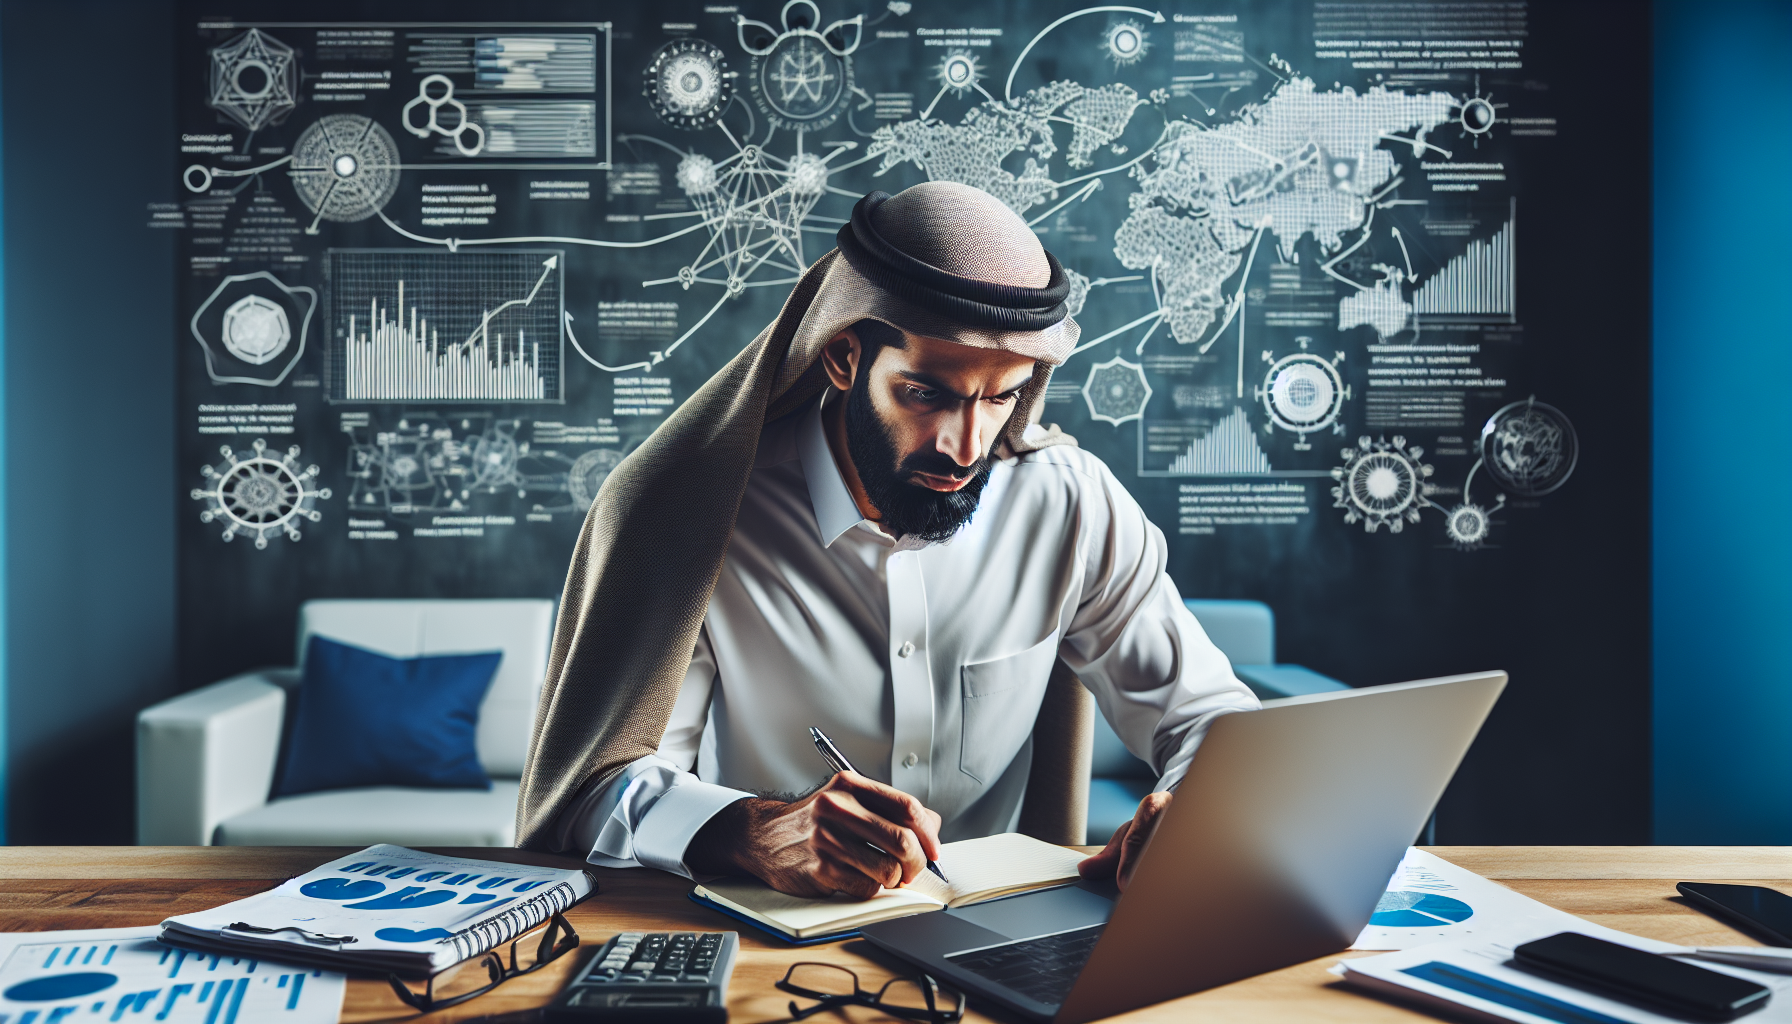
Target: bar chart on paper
(126, 975)
(431, 326)
(1479, 283)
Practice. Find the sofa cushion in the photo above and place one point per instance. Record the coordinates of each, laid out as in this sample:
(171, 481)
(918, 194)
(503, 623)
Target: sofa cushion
(383, 814)
(364, 719)
(405, 628)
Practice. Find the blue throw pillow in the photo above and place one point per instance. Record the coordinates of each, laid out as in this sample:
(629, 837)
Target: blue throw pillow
(364, 719)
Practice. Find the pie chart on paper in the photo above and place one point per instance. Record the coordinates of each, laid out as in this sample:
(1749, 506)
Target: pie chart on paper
(1419, 910)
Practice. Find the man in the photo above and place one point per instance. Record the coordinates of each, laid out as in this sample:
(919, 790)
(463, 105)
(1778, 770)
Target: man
(859, 525)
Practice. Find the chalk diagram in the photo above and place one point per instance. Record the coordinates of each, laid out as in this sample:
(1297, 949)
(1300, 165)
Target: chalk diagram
(799, 75)
(253, 328)
(1383, 483)
(422, 325)
(254, 80)
(1303, 393)
(437, 463)
(260, 495)
(1117, 391)
(435, 93)
(688, 83)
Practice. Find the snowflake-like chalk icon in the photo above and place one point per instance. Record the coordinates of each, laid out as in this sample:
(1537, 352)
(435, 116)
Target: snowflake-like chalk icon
(1116, 391)
(1303, 393)
(1383, 484)
(1125, 42)
(254, 80)
(688, 84)
(260, 495)
(1467, 525)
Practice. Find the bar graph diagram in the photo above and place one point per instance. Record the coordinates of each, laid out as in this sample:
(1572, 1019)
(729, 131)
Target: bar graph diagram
(1481, 282)
(1229, 449)
(431, 326)
(126, 977)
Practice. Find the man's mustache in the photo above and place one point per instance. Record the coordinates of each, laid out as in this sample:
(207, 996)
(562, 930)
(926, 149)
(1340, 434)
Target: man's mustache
(939, 464)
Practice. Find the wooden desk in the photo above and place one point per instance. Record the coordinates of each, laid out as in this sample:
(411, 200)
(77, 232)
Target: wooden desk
(1628, 888)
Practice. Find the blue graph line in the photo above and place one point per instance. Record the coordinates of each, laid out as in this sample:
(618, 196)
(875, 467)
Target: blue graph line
(1495, 991)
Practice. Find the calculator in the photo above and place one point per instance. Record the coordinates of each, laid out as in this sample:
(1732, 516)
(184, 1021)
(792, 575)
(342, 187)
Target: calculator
(652, 978)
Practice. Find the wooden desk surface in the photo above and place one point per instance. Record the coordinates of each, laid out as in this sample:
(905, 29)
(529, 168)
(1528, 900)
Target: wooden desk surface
(1628, 888)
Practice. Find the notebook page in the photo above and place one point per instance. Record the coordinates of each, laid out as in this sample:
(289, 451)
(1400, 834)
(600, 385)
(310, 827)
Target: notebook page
(981, 869)
(802, 916)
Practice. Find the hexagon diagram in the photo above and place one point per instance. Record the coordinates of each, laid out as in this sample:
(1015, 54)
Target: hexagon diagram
(246, 328)
(1116, 391)
(254, 80)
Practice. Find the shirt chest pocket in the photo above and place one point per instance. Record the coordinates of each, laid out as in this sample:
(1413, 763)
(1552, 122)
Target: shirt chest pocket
(1000, 703)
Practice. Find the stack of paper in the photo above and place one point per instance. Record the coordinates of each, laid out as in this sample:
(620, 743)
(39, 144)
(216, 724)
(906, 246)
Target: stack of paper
(1429, 899)
(386, 908)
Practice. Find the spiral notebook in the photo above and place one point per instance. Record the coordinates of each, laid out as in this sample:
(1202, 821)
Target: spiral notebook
(386, 908)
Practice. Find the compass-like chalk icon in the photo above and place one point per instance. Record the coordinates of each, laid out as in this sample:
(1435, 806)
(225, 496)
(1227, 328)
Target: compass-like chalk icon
(1530, 448)
(1382, 484)
(345, 167)
(688, 84)
(260, 495)
(254, 80)
(1116, 391)
(1303, 393)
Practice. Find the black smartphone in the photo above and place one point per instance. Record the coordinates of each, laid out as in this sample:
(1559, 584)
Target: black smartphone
(1649, 980)
(1762, 912)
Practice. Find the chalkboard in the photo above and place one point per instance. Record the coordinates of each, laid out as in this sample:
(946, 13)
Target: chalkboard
(1362, 290)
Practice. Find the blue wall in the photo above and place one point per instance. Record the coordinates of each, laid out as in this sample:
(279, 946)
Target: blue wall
(90, 487)
(1723, 392)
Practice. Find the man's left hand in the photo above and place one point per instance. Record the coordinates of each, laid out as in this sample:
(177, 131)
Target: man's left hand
(1121, 856)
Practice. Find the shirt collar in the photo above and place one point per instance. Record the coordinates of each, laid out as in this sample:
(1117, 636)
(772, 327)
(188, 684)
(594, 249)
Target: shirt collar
(835, 511)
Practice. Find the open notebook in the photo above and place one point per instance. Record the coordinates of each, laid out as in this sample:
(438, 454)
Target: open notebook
(980, 869)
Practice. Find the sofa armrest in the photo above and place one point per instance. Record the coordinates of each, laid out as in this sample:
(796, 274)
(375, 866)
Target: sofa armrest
(206, 756)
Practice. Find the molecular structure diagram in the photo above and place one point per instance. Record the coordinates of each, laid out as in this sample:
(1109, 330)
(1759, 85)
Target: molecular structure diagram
(436, 92)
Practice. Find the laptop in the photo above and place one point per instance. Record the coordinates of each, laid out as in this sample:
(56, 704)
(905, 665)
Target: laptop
(1275, 850)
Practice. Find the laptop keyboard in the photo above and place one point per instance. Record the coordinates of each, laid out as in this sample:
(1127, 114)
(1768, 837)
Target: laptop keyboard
(1041, 969)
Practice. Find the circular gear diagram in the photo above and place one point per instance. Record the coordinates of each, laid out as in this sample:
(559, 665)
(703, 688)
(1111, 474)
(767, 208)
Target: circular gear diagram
(1529, 447)
(345, 167)
(801, 83)
(588, 473)
(1116, 391)
(688, 83)
(1302, 393)
(260, 495)
(1382, 484)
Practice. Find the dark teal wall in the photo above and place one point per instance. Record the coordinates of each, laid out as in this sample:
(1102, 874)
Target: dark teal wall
(90, 477)
(1723, 396)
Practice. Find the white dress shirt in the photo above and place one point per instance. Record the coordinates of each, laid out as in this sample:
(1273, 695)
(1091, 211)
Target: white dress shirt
(926, 663)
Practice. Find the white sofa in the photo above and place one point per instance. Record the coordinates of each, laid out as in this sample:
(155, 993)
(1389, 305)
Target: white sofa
(206, 759)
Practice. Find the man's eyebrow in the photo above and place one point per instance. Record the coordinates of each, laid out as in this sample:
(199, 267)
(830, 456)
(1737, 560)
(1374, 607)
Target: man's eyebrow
(933, 383)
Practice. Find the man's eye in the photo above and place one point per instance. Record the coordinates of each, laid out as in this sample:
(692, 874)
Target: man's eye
(922, 394)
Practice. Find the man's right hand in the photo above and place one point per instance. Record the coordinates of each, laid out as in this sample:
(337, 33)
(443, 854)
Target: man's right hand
(852, 836)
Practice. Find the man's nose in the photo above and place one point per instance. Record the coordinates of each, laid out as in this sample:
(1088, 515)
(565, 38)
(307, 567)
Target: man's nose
(963, 437)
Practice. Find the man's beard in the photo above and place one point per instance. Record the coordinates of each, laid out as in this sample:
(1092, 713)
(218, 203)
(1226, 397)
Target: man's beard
(907, 508)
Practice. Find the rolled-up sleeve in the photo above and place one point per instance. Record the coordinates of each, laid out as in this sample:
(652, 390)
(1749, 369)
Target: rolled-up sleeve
(647, 816)
(1156, 676)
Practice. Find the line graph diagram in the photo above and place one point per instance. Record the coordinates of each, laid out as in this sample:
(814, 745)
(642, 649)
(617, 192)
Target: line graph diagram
(427, 326)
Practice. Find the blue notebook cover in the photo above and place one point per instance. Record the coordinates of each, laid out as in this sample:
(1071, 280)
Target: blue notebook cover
(814, 940)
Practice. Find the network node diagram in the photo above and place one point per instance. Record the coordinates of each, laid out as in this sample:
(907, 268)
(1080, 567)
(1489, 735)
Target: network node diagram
(254, 80)
(260, 495)
(253, 328)
(1383, 483)
(433, 463)
(1116, 391)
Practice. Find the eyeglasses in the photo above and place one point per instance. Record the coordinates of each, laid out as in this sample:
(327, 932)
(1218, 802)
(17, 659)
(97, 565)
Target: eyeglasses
(918, 999)
(556, 941)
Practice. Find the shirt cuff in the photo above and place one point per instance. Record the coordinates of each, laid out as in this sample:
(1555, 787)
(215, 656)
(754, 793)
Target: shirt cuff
(666, 831)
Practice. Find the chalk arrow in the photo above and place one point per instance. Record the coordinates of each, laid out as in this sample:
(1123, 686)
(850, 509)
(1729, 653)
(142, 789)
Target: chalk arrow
(1156, 17)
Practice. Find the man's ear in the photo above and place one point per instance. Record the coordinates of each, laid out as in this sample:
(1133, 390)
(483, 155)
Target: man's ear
(840, 358)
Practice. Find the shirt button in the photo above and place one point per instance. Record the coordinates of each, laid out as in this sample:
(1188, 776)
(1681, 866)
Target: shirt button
(904, 651)
(910, 761)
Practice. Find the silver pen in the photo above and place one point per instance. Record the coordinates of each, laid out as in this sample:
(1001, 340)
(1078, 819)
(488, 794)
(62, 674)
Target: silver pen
(838, 762)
